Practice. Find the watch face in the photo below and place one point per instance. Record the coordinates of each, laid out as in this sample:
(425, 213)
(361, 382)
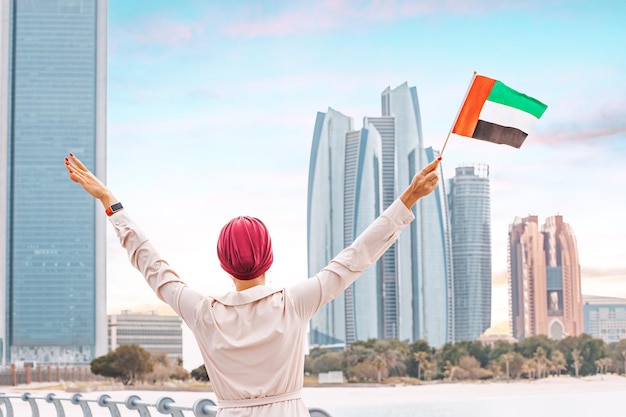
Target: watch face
(116, 207)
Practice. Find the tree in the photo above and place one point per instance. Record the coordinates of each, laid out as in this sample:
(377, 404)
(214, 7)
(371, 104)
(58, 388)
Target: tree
(329, 361)
(541, 360)
(199, 373)
(450, 354)
(355, 355)
(517, 365)
(449, 370)
(577, 359)
(499, 348)
(379, 363)
(528, 346)
(133, 362)
(603, 364)
(161, 367)
(127, 363)
(506, 359)
(412, 365)
(617, 352)
(105, 366)
(477, 350)
(559, 364)
(591, 350)
(420, 358)
(469, 368)
(529, 368)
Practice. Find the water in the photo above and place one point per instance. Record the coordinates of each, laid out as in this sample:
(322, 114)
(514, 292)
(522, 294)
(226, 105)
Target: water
(555, 397)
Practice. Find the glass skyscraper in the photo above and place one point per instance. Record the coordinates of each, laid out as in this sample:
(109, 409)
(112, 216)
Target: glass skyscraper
(470, 219)
(52, 251)
(353, 176)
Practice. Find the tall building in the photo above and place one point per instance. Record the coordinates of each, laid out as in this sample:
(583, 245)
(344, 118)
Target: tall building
(605, 317)
(470, 220)
(153, 332)
(52, 245)
(544, 279)
(353, 176)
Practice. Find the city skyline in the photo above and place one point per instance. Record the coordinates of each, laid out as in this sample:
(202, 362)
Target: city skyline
(211, 109)
(355, 174)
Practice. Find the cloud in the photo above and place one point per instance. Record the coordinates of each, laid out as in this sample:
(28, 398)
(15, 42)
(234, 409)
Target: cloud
(331, 15)
(168, 33)
(581, 135)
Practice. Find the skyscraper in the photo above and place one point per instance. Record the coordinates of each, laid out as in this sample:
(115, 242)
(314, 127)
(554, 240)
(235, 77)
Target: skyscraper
(353, 176)
(52, 246)
(470, 220)
(544, 279)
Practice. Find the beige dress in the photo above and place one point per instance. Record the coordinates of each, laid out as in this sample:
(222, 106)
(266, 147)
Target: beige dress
(252, 342)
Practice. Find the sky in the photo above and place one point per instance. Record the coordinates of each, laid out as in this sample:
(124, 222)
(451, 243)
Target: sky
(212, 105)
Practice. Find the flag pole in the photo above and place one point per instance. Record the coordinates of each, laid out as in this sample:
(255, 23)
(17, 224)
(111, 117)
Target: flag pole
(457, 115)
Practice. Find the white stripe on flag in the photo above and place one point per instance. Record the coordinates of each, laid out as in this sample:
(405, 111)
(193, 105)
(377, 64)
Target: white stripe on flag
(507, 116)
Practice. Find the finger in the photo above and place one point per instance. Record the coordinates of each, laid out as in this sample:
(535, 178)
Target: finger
(77, 162)
(68, 165)
(431, 166)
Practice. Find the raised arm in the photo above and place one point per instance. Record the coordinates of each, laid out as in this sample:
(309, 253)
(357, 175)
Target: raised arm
(142, 255)
(80, 174)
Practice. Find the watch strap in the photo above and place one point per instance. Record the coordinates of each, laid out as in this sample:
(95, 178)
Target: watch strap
(114, 208)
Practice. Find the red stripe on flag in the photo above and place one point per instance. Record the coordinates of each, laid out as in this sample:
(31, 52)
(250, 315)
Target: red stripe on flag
(468, 116)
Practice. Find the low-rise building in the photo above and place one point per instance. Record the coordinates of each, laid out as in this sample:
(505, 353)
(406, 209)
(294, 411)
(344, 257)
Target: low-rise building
(154, 332)
(605, 317)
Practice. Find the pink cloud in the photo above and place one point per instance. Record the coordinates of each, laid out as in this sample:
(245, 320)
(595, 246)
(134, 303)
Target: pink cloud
(167, 33)
(328, 15)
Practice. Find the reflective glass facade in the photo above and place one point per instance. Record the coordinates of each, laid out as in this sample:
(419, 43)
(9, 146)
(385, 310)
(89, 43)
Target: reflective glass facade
(470, 218)
(53, 273)
(325, 212)
(407, 295)
(605, 318)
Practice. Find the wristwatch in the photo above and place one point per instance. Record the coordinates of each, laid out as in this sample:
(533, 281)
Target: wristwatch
(114, 208)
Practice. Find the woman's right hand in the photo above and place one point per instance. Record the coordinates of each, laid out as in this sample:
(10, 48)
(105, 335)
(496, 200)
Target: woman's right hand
(424, 182)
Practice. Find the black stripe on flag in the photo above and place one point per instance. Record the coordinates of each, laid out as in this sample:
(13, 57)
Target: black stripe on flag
(499, 134)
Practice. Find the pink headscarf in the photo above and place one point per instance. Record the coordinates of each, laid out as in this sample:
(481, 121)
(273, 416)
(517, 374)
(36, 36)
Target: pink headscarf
(244, 248)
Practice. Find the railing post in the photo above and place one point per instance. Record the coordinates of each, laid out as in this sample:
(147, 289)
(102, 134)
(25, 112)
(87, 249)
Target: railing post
(7, 405)
(134, 403)
(32, 402)
(165, 406)
(318, 412)
(51, 398)
(105, 401)
(77, 399)
(204, 407)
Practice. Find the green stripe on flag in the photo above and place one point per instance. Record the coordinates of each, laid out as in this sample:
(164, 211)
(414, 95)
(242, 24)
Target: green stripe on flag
(502, 94)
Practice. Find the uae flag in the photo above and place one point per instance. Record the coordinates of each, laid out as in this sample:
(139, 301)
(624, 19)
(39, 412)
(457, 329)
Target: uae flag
(497, 113)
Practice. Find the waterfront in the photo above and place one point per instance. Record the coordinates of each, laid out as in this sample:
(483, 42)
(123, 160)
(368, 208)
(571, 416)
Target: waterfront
(562, 396)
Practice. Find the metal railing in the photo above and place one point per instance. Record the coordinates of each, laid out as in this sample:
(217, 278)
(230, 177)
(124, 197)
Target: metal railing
(164, 406)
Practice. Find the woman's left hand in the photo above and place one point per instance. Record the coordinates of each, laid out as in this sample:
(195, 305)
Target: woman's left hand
(90, 183)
